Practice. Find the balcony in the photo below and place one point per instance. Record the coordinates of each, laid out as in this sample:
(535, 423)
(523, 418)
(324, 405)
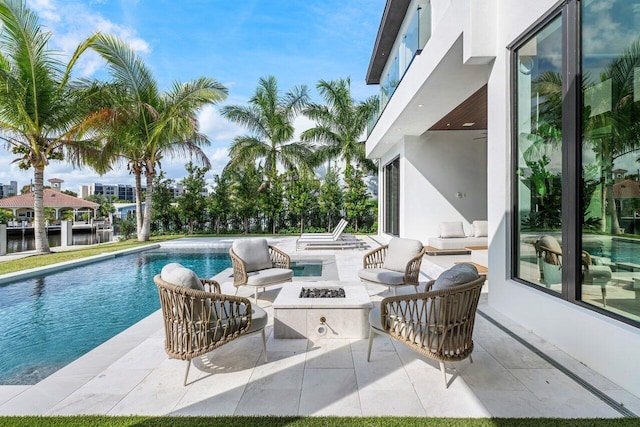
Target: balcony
(409, 43)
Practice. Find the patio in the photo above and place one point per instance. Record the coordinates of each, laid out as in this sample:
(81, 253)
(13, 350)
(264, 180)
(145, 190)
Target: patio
(514, 374)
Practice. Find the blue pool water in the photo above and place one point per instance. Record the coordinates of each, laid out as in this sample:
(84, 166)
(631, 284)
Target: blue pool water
(49, 321)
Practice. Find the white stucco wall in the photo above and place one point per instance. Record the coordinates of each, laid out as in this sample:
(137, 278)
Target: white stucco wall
(599, 342)
(603, 344)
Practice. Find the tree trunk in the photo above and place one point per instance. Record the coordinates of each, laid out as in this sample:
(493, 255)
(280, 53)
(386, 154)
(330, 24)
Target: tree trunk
(603, 206)
(138, 190)
(42, 244)
(301, 223)
(613, 212)
(146, 220)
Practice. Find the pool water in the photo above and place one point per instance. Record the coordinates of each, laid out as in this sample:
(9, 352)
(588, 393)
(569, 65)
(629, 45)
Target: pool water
(306, 268)
(47, 322)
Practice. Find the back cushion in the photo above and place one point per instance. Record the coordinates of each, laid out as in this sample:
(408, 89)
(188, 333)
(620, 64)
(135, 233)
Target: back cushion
(178, 275)
(457, 275)
(400, 252)
(451, 229)
(254, 252)
(480, 228)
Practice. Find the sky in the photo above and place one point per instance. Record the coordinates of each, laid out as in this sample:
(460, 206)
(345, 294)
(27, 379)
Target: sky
(235, 42)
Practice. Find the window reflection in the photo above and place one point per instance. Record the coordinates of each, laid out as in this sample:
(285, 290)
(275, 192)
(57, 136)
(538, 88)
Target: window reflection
(539, 163)
(611, 155)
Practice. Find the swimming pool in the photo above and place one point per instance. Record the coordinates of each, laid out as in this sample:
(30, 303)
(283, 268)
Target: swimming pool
(48, 321)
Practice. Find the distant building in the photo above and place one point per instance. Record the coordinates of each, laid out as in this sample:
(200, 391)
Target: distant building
(120, 191)
(7, 190)
(56, 183)
(22, 205)
(178, 190)
(117, 191)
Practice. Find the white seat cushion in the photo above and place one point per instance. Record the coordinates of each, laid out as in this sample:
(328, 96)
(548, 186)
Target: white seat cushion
(457, 242)
(254, 252)
(400, 252)
(381, 275)
(270, 276)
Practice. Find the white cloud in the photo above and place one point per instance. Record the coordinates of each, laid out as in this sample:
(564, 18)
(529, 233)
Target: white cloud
(217, 128)
(71, 22)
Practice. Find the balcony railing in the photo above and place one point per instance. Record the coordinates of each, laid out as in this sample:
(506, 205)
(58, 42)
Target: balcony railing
(413, 40)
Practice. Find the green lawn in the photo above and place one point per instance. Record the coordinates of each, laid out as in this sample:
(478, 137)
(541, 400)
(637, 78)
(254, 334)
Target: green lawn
(56, 257)
(310, 422)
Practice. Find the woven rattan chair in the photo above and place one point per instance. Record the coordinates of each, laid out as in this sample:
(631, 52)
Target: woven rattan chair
(258, 264)
(197, 322)
(549, 253)
(394, 265)
(437, 324)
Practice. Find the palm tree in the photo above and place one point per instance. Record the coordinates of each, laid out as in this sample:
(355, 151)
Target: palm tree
(615, 133)
(341, 123)
(41, 110)
(269, 119)
(142, 125)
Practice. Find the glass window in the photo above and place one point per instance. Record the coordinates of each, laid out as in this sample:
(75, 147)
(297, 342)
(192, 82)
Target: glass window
(611, 155)
(392, 198)
(539, 157)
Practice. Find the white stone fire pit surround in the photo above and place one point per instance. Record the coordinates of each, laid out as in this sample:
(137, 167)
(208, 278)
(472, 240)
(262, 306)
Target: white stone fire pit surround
(347, 317)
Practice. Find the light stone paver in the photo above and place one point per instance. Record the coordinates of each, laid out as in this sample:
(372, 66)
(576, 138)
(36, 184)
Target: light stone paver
(131, 374)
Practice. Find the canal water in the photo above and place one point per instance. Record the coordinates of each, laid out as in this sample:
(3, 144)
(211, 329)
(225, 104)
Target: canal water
(20, 243)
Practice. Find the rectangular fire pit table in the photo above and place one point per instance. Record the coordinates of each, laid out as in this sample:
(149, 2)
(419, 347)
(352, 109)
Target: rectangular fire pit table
(346, 317)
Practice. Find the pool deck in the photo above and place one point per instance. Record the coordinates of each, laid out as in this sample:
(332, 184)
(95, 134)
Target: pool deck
(514, 373)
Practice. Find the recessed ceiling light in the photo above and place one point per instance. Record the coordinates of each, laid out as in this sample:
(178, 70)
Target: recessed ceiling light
(448, 124)
(468, 124)
(420, 105)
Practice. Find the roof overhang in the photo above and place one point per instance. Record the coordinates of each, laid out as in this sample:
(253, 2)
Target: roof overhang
(394, 13)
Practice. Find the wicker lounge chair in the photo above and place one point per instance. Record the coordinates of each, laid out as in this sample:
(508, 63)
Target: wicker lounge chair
(437, 324)
(258, 264)
(394, 265)
(549, 254)
(198, 318)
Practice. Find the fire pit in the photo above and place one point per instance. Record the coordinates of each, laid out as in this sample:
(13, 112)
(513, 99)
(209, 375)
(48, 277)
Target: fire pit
(322, 293)
(322, 310)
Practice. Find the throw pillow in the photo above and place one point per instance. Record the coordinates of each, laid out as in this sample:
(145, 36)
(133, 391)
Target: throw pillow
(457, 275)
(254, 252)
(451, 229)
(480, 228)
(400, 252)
(178, 275)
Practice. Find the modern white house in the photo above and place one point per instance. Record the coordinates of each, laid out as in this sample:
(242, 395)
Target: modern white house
(526, 114)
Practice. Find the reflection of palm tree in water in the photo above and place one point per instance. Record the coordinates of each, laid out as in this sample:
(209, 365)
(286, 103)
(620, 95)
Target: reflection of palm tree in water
(39, 286)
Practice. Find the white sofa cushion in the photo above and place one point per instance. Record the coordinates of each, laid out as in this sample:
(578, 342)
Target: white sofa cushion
(480, 229)
(451, 229)
(381, 275)
(400, 252)
(254, 252)
(270, 276)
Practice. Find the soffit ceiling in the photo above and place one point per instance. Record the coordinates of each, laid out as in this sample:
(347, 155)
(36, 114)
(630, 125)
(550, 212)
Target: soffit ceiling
(472, 112)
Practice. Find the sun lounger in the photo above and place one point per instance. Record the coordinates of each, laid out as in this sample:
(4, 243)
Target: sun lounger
(334, 241)
(335, 234)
